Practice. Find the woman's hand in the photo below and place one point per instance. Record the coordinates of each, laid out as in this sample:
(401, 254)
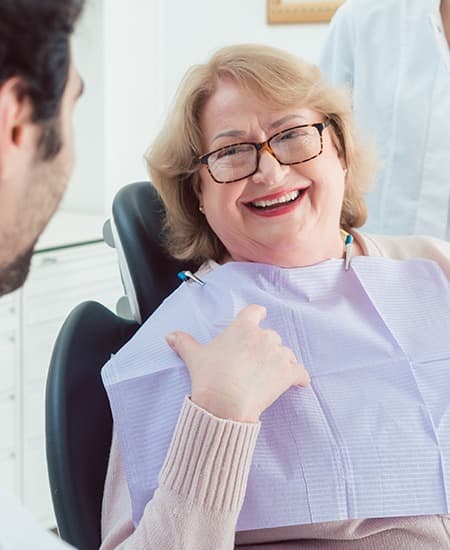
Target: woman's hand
(242, 371)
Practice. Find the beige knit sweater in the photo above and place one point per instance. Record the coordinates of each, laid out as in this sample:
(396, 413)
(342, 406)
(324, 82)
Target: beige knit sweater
(203, 481)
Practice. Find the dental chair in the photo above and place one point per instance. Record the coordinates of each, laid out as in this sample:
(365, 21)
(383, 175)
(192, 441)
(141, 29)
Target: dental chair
(78, 417)
(135, 230)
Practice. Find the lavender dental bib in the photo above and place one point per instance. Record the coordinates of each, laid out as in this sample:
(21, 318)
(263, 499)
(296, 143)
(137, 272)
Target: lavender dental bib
(369, 438)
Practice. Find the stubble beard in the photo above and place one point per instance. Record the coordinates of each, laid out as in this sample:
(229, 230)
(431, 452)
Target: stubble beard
(49, 182)
(14, 274)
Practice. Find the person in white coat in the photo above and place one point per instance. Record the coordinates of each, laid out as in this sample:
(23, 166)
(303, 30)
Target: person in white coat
(39, 86)
(394, 56)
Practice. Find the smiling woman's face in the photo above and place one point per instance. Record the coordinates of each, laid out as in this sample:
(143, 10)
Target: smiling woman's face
(300, 226)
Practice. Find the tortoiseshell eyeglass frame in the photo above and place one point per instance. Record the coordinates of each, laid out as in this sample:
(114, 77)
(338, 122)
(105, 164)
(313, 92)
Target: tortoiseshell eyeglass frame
(265, 145)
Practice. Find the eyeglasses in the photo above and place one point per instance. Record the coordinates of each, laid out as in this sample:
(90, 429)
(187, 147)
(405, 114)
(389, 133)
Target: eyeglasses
(240, 160)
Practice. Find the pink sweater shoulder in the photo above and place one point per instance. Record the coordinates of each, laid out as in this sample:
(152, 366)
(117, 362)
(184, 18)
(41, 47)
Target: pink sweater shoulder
(405, 248)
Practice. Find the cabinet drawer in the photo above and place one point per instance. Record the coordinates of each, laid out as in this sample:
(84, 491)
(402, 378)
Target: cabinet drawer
(8, 313)
(59, 280)
(7, 422)
(8, 471)
(38, 342)
(44, 323)
(36, 488)
(8, 355)
(56, 304)
(63, 269)
(34, 409)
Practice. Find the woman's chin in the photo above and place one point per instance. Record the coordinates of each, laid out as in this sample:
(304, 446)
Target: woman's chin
(284, 253)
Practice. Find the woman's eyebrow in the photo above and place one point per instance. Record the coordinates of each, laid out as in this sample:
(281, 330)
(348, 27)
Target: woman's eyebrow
(228, 133)
(286, 118)
(273, 126)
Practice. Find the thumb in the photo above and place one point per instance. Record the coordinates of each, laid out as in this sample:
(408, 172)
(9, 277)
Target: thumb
(182, 343)
(302, 376)
(252, 313)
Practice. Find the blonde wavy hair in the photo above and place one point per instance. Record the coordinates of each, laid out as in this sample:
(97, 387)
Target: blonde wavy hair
(284, 81)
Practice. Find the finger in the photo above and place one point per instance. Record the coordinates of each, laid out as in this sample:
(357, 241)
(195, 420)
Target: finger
(183, 344)
(302, 377)
(252, 313)
(274, 338)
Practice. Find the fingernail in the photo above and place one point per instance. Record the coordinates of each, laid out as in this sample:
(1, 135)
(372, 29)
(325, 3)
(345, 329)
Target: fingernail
(306, 382)
(171, 339)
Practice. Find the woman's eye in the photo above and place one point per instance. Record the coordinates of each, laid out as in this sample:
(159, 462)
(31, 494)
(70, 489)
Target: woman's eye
(293, 134)
(229, 152)
(289, 135)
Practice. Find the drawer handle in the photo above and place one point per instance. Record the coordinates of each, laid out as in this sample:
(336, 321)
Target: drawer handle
(49, 260)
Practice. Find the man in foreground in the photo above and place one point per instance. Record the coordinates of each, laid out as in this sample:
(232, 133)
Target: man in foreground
(39, 87)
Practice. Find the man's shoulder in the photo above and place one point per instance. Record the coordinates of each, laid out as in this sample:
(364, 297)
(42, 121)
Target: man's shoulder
(20, 530)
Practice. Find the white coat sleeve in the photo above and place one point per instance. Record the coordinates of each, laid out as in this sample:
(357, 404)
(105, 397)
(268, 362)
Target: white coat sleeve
(338, 52)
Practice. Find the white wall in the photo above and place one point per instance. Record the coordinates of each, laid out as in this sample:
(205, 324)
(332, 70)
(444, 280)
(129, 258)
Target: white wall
(207, 25)
(131, 80)
(132, 56)
(86, 190)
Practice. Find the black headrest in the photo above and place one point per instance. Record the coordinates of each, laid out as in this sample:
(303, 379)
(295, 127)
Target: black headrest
(138, 215)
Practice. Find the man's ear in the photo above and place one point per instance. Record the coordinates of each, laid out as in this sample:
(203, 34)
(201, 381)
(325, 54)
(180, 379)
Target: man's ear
(17, 132)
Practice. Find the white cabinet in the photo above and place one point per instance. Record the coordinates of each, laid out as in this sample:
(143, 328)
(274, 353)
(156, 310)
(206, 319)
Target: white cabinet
(30, 320)
(9, 392)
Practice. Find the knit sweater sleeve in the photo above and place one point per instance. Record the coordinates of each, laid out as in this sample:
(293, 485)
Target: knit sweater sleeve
(201, 488)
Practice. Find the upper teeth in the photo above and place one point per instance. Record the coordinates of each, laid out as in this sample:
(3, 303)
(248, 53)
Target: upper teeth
(284, 198)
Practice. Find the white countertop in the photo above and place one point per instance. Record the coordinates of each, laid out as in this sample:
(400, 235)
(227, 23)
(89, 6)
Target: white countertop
(71, 228)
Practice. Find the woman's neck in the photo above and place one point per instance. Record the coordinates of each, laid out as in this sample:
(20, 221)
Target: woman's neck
(302, 257)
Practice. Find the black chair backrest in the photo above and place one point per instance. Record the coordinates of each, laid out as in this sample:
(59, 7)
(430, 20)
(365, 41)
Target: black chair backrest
(138, 217)
(78, 419)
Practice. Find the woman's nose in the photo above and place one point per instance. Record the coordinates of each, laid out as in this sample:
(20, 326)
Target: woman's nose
(269, 171)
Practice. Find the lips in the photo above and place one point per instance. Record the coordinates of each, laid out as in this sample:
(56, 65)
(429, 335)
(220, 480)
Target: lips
(277, 200)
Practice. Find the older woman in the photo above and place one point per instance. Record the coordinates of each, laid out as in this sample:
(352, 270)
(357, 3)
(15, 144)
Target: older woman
(262, 176)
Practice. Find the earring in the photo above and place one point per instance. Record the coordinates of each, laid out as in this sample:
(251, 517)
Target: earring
(201, 208)
(345, 171)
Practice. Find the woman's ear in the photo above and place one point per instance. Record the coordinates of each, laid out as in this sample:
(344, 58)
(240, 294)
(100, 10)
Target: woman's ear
(197, 187)
(342, 159)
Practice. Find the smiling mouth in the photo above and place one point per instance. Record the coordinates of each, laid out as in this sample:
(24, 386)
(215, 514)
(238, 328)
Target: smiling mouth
(283, 200)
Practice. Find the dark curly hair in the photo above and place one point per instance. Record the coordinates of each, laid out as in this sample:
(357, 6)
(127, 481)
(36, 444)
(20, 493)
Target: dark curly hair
(35, 47)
